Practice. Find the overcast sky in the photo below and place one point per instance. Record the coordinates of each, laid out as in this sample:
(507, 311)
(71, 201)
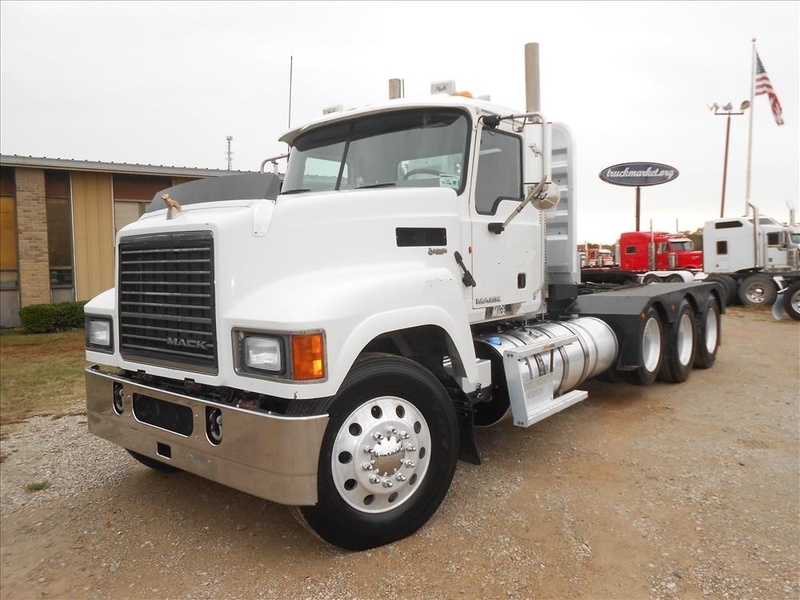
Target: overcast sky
(164, 83)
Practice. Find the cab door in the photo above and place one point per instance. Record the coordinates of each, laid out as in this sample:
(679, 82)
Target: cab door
(506, 266)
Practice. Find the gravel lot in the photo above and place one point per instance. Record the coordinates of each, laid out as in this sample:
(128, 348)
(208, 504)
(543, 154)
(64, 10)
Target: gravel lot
(670, 491)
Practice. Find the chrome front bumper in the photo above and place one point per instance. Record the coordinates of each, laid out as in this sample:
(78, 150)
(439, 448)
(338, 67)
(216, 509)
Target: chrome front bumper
(270, 456)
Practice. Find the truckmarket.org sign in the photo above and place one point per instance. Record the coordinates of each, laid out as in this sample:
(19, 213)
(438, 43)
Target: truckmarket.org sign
(638, 174)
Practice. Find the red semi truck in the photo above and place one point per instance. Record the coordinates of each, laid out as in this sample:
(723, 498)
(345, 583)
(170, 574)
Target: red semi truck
(648, 256)
(657, 251)
(755, 264)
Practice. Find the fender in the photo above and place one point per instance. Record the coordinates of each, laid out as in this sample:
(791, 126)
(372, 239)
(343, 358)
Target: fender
(354, 306)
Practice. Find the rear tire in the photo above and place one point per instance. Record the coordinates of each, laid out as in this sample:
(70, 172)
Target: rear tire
(728, 286)
(791, 301)
(708, 335)
(757, 290)
(680, 348)
(154, 464)
(651, 350)
(388, 455)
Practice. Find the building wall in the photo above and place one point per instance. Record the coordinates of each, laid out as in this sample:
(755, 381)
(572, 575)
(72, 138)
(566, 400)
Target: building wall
(9, 262)
(93, 230)
(34, 268)
(29, 278)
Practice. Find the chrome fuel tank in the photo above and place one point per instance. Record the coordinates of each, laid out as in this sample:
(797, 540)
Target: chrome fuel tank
(570, 352)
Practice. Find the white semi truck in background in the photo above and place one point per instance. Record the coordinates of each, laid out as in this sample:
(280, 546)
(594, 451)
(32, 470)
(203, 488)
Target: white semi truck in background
(755, 264)
(756, 258)
(330, 341)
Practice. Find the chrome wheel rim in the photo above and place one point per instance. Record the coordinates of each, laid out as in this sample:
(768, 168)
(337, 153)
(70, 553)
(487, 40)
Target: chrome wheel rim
(685, 339)
(651, 345)
(381, 454)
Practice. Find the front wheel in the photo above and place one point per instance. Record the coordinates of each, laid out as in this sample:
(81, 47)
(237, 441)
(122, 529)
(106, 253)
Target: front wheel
(388, 455)
(791, 301)
(757, 290)
(727, 285)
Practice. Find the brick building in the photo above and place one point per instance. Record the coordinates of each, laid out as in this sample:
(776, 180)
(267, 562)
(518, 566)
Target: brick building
(58, 224)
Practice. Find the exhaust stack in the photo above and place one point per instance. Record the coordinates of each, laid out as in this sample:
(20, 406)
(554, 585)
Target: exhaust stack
(532, 92)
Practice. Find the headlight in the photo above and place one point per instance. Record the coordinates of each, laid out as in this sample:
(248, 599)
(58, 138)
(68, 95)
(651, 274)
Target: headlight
(263, 353)
(288, 356)
(99, 334)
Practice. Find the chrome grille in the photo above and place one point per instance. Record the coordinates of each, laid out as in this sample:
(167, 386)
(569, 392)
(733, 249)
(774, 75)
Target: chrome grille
(166, 300)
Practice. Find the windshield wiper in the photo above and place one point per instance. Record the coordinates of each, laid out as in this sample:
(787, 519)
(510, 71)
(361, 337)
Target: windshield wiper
(376, 185)
(297, 191)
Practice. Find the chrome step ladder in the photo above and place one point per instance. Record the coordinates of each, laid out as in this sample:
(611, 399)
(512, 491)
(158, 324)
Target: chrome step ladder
(532, 398)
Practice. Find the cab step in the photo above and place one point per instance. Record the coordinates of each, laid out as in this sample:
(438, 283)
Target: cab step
(529, 376)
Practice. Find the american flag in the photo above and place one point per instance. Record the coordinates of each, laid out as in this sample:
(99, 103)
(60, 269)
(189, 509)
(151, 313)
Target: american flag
(763, 86)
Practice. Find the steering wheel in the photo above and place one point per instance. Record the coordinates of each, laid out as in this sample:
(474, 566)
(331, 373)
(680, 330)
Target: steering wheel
(421, 172)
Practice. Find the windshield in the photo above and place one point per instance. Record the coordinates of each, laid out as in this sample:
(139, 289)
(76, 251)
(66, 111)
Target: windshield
(682, 245)
(413, 148)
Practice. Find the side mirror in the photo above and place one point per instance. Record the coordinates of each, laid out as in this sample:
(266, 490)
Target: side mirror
(548, 198)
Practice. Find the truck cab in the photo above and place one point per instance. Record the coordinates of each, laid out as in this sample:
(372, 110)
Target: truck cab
(737, 244)
(641, 251)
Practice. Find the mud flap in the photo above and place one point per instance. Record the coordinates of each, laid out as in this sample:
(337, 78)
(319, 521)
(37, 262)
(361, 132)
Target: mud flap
(777, 306)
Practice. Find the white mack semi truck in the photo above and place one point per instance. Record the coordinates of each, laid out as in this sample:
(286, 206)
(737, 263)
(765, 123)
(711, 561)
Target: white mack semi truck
(330, 341)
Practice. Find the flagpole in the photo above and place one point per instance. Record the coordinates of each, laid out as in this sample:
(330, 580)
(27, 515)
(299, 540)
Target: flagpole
(750, 129)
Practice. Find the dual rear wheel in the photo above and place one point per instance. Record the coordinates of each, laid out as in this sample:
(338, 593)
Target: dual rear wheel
(669, 351)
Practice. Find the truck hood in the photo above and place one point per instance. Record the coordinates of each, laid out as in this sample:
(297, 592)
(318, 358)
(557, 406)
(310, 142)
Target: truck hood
(264, 242)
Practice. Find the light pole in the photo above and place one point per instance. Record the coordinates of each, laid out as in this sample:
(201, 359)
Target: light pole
(229, 139)
(727, 111)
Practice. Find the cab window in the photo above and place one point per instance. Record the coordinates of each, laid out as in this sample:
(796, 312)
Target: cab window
(499, 174)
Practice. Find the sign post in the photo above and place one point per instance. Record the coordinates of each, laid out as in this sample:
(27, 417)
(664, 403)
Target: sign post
(638, 175)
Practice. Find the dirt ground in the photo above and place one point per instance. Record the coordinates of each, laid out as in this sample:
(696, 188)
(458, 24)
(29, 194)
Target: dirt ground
(669, 491)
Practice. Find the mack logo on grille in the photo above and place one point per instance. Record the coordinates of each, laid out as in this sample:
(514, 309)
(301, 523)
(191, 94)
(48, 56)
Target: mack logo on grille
(183, 343)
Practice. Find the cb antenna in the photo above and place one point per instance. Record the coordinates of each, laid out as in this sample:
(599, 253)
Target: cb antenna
(291, 60)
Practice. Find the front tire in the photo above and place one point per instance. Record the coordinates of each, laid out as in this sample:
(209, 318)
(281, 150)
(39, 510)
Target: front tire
(727, 285)
(757, 290)
(680, 349)
(651, 352)
(388, 455)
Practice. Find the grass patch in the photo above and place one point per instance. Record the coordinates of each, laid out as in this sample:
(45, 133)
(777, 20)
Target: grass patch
(37, 486)
(40, 374)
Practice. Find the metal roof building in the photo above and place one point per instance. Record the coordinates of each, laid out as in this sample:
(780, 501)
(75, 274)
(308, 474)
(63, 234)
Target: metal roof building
(58, 224)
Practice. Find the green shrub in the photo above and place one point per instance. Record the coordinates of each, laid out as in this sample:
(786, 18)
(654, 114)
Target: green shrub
(48, 318)
(69, 315)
